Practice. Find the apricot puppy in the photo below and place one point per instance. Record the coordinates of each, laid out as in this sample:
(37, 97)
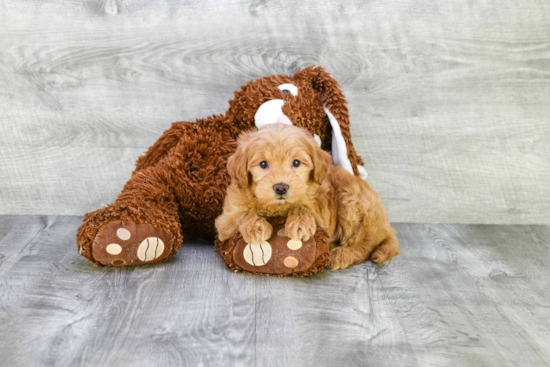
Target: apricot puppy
(280, 170)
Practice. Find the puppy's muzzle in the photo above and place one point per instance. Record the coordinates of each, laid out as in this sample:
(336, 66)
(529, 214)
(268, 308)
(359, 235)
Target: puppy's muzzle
(280, 188)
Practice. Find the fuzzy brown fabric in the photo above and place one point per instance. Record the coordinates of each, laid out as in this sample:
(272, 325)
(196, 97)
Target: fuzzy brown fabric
(180, 183)
(232, 248)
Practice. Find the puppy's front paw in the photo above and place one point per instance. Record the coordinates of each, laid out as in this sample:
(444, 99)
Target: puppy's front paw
(256, 230)
(300, 228)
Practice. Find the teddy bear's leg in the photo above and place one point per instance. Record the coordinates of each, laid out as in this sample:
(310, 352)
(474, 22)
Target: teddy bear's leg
(181, 193)
(162, 147)
(140, 227)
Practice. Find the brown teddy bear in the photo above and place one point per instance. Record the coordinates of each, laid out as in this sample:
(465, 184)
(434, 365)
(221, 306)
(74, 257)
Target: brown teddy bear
(179, 184)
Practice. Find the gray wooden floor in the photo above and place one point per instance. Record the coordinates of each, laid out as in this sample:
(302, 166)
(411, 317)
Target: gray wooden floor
(460, 295)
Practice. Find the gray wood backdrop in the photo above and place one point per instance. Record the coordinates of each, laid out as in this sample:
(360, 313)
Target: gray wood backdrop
(449, 100)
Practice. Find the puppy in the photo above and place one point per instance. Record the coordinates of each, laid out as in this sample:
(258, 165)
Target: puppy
(280, 170)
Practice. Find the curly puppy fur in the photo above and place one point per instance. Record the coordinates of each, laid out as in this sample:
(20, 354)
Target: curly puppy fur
(280, 170)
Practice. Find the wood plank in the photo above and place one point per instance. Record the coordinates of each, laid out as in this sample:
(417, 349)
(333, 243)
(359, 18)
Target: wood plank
(459, 295)
(57, 309)
(448, 100)
(472, 294)
(76, 176)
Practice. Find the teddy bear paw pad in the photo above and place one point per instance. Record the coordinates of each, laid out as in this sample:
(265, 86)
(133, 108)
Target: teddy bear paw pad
(257, 254)
(294, 244)
(278, 255)
(123, 243)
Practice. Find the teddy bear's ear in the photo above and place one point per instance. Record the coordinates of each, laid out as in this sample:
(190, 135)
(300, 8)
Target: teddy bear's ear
(334, 102)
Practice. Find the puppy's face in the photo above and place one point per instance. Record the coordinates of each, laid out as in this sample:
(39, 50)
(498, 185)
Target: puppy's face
(279, 163)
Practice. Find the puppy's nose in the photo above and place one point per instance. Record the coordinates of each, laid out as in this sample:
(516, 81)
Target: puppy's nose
(280, 188)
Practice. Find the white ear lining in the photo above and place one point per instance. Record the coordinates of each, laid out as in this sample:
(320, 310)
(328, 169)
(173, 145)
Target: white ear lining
(339, 148)
(318, 140)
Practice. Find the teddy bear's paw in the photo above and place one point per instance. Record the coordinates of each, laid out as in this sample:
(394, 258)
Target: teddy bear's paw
(124, 243)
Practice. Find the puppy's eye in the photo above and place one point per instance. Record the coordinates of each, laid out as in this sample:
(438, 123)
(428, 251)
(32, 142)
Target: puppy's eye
(296, 163)
(263, 164)
(286, 91)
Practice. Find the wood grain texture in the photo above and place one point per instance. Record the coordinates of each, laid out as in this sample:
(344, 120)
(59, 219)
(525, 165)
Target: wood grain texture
(459, 295)
(448, 99)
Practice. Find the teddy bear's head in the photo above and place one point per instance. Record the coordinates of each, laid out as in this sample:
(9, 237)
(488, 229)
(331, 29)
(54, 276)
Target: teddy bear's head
(311, 98)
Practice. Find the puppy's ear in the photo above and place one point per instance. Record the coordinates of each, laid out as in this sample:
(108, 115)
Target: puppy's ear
(321, 161)
(238, 162)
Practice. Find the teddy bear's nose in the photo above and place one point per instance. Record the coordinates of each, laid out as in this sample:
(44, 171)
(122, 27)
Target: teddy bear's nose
(280, 188)
(284, 120)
